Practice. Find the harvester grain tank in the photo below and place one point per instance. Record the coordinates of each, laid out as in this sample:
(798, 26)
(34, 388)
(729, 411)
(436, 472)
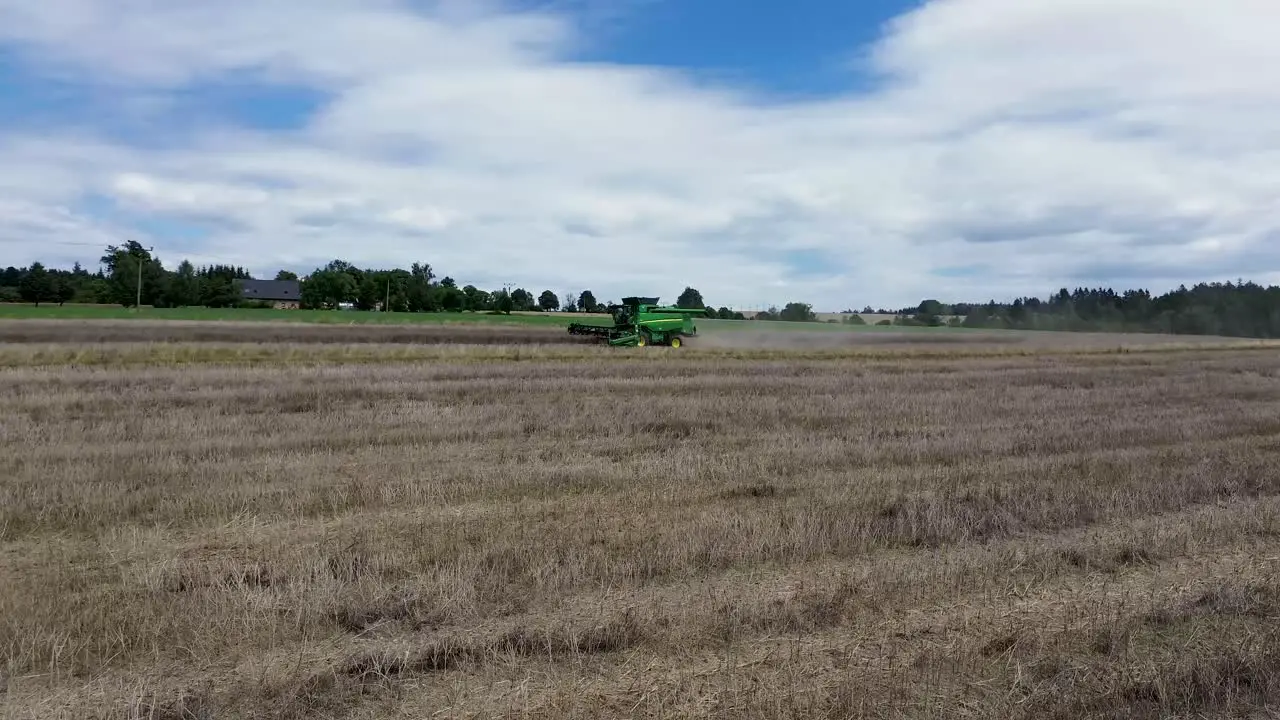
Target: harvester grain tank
(641, 321)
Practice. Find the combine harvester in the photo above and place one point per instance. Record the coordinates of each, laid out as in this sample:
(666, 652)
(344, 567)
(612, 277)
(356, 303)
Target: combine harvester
(641, 321)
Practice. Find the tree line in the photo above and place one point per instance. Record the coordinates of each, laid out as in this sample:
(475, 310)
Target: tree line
(130, 275)
(1239, 309)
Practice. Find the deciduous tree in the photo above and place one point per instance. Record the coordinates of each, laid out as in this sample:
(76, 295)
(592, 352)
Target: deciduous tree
(548, 301)
(690, 299)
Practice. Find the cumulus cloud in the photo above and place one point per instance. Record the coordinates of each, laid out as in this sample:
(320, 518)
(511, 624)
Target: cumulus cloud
(1007, 147)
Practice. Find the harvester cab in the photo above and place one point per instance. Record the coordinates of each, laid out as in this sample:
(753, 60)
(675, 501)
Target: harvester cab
(641, 321)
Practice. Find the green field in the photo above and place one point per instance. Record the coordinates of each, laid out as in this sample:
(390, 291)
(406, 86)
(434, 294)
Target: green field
(335, 317)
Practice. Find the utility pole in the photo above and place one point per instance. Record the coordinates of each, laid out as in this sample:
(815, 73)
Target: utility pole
(138, 305)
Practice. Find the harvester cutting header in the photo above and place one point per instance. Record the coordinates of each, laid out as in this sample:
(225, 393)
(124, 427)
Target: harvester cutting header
(641, 321)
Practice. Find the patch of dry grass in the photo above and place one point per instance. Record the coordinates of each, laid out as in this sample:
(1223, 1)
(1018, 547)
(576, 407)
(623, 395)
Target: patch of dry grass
(631, 534)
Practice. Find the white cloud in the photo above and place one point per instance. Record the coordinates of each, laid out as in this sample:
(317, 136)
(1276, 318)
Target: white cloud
(195, 197)
(1042, 144)
(426, 219)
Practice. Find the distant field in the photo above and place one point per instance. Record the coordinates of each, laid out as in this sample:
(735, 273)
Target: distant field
(334, 317)
(827, 317)
(87, 337)
(146, 330)
(826, 531)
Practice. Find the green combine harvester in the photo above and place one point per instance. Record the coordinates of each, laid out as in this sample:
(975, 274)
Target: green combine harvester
(641, 321)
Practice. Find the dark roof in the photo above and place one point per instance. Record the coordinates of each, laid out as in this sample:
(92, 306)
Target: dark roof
(271, 289)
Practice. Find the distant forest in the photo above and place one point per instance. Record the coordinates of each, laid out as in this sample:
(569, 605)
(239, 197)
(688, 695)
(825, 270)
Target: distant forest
(1240, 309)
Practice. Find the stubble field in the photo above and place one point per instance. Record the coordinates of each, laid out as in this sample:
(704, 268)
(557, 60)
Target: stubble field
(78, 335)
(277, 532)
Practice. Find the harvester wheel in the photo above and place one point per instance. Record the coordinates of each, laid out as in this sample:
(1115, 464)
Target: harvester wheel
(676, 341)
(642, 340)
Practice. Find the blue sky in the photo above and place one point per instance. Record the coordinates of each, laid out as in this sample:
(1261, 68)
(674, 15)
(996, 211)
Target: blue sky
(842, 154)
(801, 48)
(31, 97)
(789, 49)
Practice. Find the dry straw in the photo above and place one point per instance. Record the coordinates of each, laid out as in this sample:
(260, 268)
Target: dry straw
(229, 530)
